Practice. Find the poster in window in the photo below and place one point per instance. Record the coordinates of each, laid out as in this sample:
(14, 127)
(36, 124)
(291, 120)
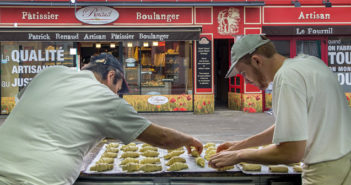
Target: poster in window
(339, 60)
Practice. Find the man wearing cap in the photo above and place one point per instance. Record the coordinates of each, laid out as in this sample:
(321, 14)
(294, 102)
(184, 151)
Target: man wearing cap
(63, 113)
(312, 118)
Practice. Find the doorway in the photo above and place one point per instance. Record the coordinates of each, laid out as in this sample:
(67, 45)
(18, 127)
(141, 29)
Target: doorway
(221, 66)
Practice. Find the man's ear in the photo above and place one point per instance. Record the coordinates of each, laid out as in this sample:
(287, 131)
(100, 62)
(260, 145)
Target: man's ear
(256, 60)
(110, 76)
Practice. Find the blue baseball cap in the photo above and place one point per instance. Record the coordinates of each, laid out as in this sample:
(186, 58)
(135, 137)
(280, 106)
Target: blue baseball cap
(110, 60)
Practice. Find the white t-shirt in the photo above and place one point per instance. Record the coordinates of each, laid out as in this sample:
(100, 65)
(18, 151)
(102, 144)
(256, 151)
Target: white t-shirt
(309, 104)
(61, 115)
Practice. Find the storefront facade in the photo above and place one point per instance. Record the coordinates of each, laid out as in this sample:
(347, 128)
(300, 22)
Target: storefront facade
(175, 54)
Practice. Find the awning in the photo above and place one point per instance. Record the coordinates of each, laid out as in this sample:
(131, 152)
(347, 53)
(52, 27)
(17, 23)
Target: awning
(100, 34)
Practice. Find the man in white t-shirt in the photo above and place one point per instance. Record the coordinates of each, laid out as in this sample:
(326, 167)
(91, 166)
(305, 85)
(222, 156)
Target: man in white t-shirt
(312, 118)
(63, 113)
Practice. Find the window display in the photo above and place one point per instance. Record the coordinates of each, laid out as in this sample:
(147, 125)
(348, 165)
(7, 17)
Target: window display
(21, 61)
(158, 67)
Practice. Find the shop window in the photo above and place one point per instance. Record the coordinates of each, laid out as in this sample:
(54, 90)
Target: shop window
(283, 47)
(21, 61)
(310, 47)
(155, 68)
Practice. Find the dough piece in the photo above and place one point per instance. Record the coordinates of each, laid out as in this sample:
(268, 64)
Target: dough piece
(177, 149)
(150, 168)
(109, 155)
(194, 152)
(225, 168)
(210, 154)
(251, 167)
(209, 145)
(200, 161)
(297, 168)
(173, 153)
(150, 153)
(210, 148)
(145, 145)
(105, 160)
(175, 159)
(130, 148)
(130, 167)
(177, 166)
(130, 154)
(130, 144)
(112, 145)
(101, 167)
(278, 168)
(111, 149)
(148, 148)
(150, 160)
(129, 160)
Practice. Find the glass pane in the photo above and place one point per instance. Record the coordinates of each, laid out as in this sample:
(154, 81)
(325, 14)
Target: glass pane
(310, 47)
(237, 80)
(232, 80)
(21, 61)
(159, 67)
(283, 47)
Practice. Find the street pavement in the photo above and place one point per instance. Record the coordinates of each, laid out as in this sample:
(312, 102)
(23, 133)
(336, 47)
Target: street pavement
(222, 125)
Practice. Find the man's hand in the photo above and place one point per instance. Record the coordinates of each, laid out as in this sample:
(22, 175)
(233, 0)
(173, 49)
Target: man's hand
(229, 145)
(195, 143)
(224, 158)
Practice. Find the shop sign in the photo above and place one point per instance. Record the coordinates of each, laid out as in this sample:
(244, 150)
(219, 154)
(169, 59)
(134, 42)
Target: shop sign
(204, 64)
(339, 60)
(306, 30)
(306, 15)
(98, 36)
(97, 15)
(157, 100)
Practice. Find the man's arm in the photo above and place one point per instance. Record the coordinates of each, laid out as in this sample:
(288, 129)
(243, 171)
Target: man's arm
(284, 153)
(263, 138)
(168, 138)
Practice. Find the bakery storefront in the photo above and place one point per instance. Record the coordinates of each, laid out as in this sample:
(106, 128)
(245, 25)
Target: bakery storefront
(320, 31)
(158, 55)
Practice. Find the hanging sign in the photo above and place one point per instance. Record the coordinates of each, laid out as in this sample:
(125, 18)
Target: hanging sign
(204, 65)
(97, 15)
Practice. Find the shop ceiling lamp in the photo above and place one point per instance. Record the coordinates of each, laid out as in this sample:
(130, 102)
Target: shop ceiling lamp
(155, 43)
(146, 44)
(296, 3)
(130, 44)
(112, 45)
(72, 51)
(98, 45)
(327, 4)
(73, 1)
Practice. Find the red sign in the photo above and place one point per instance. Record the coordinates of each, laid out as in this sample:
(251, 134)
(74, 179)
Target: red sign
(306, 15)
(65, 16)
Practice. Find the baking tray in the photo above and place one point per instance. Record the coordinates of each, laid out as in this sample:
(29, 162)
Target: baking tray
(193, 167)
(265, 170)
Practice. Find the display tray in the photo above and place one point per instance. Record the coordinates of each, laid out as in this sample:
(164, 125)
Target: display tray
(117, 169)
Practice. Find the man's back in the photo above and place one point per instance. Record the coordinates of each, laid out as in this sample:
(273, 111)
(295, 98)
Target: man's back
(310, 105)
(53, 126)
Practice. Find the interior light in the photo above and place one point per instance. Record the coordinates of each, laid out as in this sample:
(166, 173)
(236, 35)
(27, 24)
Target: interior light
(112, 45)
(130, 44)
(296, 3)
(146, 44)
(327, 4)
(155, 43)
(98, 45)
(73, 1)
(72, 51)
